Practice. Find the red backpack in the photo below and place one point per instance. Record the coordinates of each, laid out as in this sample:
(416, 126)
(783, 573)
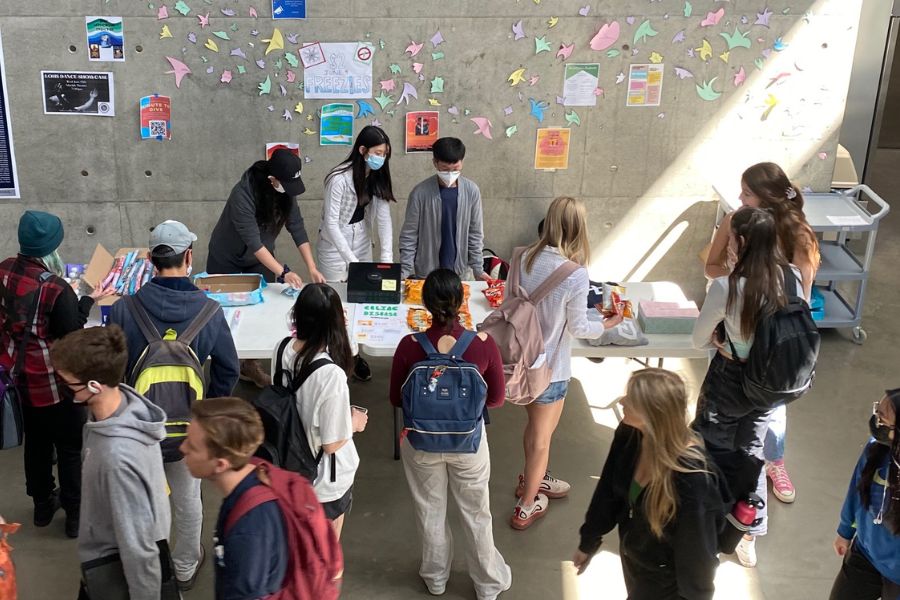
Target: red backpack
(315, 561)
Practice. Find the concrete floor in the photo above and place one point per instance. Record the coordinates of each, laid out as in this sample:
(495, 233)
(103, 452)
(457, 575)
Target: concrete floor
(826, 432)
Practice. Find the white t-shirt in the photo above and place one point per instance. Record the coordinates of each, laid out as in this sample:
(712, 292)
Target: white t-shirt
(323, 402)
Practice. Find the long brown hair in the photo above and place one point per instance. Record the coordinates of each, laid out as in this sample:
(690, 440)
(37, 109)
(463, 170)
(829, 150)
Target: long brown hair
(760, 263)
(776, 193)
(659, 397)
(565, 228)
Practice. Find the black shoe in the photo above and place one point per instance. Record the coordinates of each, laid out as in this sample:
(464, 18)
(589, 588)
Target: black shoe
(73, 520)
(188, 584)
(361, 370)
(44, 511)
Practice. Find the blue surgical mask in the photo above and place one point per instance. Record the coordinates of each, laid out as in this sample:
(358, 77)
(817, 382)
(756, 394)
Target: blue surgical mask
(374, 161)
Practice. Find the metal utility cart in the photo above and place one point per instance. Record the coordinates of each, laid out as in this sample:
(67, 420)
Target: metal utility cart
(841, 217)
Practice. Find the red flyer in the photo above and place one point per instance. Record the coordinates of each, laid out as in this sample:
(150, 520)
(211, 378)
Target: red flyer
(156, 117)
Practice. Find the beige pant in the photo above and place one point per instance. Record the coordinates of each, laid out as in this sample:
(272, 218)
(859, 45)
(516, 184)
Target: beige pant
(429, 475)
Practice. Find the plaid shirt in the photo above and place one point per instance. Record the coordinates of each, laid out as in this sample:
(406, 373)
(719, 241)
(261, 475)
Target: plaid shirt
(19, 278)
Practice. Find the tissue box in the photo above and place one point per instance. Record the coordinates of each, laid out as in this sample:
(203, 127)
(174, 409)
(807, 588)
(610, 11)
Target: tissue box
(667, 317)
(232, 290)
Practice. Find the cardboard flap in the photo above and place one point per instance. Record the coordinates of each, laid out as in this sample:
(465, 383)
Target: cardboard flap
(226, 284)
(96, 270)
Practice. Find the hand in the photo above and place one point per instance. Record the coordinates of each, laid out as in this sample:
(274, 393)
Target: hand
(92, 94)
(484, 277)
(581, 561)
(613, 321)
(102, 292)
(293, 280)
(841, 546)
(359, 419)
(315, 276)
(715, 341)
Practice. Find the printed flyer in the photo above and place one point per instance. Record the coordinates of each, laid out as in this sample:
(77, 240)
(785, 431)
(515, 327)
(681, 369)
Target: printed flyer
(156, 117)
(105, 39)
(421, 130)
(74, 92)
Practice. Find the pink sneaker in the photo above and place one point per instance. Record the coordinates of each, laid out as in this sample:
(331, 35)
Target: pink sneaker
(781, 482)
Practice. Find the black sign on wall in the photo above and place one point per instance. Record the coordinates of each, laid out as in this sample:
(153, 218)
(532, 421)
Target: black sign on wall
(9, 181)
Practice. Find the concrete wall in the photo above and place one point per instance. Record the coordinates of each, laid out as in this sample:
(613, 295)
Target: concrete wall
(646, 173)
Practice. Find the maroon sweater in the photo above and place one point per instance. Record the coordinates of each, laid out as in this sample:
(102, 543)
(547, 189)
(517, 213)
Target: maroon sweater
(483, 354)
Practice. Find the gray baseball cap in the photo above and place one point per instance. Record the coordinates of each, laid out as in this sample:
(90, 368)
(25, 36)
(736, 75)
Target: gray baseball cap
(171, 234)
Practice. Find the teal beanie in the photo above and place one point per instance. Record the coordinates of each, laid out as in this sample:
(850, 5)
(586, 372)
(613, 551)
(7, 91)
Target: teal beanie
(40, 233)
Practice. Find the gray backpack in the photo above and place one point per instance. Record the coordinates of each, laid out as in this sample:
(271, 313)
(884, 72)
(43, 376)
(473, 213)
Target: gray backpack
(516, 329)
(168, 372)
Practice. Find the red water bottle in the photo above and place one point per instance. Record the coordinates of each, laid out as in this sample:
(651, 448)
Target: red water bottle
(741, 519)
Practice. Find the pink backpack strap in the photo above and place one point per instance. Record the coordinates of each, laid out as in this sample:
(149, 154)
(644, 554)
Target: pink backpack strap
(561, 273)
(513, 288)
(258, 494)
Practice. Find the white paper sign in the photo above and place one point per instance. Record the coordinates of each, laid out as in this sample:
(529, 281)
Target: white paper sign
(337, 70)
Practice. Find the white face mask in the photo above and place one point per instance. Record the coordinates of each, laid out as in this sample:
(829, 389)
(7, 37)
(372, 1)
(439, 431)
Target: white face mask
(448, 178)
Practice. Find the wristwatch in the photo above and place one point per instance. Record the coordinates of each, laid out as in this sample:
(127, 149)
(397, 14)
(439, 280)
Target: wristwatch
(280, 278)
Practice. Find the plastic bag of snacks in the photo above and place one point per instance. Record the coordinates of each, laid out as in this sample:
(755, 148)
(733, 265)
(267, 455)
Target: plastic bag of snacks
(7, 570)
(494, 292)
(614, 302)
(419, 319)
(412, 291)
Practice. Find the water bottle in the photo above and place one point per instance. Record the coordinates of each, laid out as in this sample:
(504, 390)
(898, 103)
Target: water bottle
(741, 519)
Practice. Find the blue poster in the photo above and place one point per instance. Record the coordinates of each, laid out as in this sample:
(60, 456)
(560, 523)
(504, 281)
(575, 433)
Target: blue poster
(288, 9)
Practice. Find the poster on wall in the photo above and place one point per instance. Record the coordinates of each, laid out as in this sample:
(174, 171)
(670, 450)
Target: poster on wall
(156, 117)
(73, 93)
(336, 128)
(645, 85)
(105, 38)
(337, 70)
(421, 130)
(288, 9)
(551, 150)
(580, 83)
(271, 147)
(9, 180)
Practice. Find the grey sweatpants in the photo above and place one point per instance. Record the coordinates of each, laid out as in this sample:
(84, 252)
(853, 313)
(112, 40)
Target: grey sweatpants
(429, 475)
(187, 518)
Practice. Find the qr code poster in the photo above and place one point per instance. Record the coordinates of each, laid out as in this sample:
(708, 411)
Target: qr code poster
(156, 117)
(72, 93)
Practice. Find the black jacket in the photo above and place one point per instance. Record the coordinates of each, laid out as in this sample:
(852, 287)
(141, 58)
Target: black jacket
(683, 563)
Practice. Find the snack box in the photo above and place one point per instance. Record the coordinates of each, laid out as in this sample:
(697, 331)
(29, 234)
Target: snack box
(97, 270)
(667, 317)
(241, 289)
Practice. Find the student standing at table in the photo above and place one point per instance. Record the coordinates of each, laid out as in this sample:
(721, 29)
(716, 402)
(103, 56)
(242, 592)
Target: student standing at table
(261, 204)
(733, 427)
(357, 199)
(443, 227)
(765, 185)
(562, 315)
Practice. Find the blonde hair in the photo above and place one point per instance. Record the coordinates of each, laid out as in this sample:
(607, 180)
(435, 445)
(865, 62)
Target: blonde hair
(565, 229)
(233, 428)
(660, 399)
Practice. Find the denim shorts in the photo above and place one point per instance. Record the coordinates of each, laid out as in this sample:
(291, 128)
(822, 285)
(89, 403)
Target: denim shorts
(554, 393)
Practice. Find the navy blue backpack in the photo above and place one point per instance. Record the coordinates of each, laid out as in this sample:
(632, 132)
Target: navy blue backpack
(444, 400)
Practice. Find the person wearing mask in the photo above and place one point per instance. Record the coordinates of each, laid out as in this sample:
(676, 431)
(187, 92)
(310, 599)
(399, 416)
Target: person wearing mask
(443, 227)
(358, 194)
(323, 401)
(662, 491)
(433, 476)
(765, 185)
(172, 302)
(260, 205)
(36, 303)
(868, 534)
(732, 426)
(562, 315)
(124, 502)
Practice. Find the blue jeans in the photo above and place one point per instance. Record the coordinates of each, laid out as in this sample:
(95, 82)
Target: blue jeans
(773, 448)
(554, 393)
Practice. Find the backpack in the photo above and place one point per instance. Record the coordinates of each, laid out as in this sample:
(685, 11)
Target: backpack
(315, 560)
(517, 330)
(781, 365)
(285, 444)
(444, 400)
(494, 266)
(168, 372)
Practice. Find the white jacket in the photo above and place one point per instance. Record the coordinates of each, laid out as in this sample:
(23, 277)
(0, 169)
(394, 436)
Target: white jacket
(337, 209)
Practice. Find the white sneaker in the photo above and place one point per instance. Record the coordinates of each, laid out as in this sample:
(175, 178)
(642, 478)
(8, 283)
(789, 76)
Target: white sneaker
(746, 552)
(524, 517)
(550, 486)
(435, 589)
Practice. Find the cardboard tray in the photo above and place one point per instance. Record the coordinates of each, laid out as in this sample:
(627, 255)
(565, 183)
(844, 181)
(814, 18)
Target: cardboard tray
(100, 264)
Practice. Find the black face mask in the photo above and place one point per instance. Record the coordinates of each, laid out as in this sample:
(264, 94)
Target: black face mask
(881, 433)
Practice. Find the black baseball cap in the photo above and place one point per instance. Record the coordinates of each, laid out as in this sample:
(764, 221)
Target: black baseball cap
(285, 167)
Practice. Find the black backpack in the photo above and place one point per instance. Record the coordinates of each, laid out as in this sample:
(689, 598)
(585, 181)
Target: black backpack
(781, 365)
(285, 444)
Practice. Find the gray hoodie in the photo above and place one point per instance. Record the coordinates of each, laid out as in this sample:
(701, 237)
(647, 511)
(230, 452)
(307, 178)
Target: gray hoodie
(124, 507)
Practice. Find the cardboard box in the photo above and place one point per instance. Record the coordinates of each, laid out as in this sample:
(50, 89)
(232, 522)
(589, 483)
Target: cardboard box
(97, 270)
(232, 290)
(667, 317)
